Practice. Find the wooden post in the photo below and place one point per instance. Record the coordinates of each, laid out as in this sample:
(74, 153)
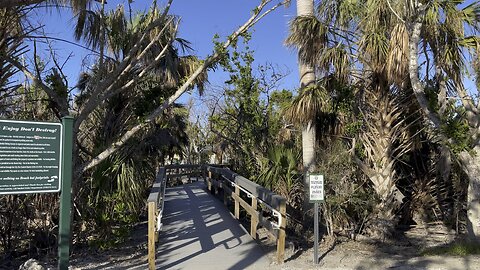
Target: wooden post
(237, 203)
(281, 233)
(225, 197)
(254, 220)
(178, 178)
(209, 181)
(152, 213)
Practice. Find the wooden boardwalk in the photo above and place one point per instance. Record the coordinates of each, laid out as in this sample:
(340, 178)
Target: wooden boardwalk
(200, 233)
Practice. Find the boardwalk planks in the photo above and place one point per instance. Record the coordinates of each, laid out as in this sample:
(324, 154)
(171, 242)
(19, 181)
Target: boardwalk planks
(218, 178)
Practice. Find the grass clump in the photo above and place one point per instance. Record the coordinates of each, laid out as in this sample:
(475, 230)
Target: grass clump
(455, 249)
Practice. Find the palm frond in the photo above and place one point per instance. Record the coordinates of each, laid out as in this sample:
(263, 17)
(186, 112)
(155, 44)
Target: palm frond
(89, 28)
(309, 36)
(374, 45)
(307, 105)
(397, 61)
(337, 60)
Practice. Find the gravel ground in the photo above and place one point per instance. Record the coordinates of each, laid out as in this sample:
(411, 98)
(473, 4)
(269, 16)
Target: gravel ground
(357, 255)
(343, 254)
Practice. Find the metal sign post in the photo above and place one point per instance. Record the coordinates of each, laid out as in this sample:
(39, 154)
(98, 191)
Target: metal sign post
(316, 196)
(66, 195)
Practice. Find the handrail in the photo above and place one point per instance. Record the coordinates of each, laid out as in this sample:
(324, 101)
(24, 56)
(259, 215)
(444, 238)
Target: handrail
(155, 202)
(217, 179)
(275, 212)
(274, 202)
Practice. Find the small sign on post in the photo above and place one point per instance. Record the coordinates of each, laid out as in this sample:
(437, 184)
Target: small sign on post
(316, 188)
(316, 196)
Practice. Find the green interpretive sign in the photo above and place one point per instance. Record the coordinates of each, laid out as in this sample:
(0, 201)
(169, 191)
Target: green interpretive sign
(30, 157)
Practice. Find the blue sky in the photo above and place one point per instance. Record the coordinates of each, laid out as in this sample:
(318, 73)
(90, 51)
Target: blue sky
(200, 21)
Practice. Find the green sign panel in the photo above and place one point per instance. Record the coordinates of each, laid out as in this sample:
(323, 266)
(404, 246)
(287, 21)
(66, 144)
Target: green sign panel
(30, 157)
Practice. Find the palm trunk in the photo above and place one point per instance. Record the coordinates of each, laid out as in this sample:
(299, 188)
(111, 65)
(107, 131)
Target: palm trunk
(304, 7)
(307, 78)
(471, 165)
(308, 147)
(383, 143)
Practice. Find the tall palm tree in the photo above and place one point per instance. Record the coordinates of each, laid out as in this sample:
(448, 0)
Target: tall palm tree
(305, 10)
(344, 36)
(445, 29)
(385, 140)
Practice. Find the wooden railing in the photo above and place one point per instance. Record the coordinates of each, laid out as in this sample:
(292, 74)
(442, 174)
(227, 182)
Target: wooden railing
(156, 201)
(155, 204)
(261, 204)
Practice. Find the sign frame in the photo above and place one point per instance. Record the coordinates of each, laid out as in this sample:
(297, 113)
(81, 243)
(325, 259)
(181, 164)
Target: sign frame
(58, 155)
(316, 198)
(313, 198)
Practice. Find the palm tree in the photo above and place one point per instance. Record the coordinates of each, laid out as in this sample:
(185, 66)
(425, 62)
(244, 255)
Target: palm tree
(444, 28)
(305, 8)
(343, 33)
(10, 25)
(389, 36)
(122, 176)
(385, 140)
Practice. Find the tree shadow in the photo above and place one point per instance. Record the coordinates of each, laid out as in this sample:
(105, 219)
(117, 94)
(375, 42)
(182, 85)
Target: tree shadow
(199, 230)
(394, 255)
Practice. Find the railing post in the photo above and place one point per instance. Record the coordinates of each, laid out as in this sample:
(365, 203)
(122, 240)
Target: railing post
(281, 232)
(209, 181)
(152, 216)
(237, 203)
(215, 186)
(254, 220)
(225, 195)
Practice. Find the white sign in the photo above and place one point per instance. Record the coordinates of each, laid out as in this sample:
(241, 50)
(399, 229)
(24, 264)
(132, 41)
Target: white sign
(316, 187)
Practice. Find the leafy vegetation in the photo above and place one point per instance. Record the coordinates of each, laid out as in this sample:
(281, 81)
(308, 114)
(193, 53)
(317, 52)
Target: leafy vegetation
(397, 141)
(455, 249)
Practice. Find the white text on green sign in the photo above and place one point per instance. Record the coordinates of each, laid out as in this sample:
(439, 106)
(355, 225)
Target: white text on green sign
(30, 157)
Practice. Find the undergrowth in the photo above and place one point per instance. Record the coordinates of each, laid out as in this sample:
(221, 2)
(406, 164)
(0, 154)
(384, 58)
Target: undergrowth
(454, 249)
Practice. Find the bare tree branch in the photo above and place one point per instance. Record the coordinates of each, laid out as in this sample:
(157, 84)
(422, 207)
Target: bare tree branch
(61, 103)
(209, 61)
(120, 72)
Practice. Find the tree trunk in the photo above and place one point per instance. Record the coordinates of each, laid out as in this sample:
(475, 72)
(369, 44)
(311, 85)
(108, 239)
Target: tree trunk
(304, 7)
(308, 147)
(470, 160)
(307, 78)
(471, 166)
